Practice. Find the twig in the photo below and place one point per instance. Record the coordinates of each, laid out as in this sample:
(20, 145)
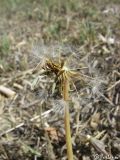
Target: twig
(114, 85)
(106, 99)
(7, 92)
(116, 72)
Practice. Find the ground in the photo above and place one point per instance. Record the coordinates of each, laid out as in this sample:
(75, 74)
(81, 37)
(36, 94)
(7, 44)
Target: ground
(86, 35)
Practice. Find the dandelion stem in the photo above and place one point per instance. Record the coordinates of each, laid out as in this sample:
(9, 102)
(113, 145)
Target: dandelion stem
(66, 89)
(67, 119)
(68, 133)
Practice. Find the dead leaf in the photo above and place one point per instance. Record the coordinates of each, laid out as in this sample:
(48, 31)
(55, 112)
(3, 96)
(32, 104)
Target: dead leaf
(52, 132)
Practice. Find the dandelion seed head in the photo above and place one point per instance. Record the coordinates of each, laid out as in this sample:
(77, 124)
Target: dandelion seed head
(51, 50)
(40, 52)
(97, 85)
(65, 68)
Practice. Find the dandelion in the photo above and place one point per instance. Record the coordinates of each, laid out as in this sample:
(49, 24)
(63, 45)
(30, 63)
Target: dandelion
(52, 59)
(62, 62)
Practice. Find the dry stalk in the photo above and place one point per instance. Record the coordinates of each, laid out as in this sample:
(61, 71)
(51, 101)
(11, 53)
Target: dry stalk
(67, 119)
(63, 75)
